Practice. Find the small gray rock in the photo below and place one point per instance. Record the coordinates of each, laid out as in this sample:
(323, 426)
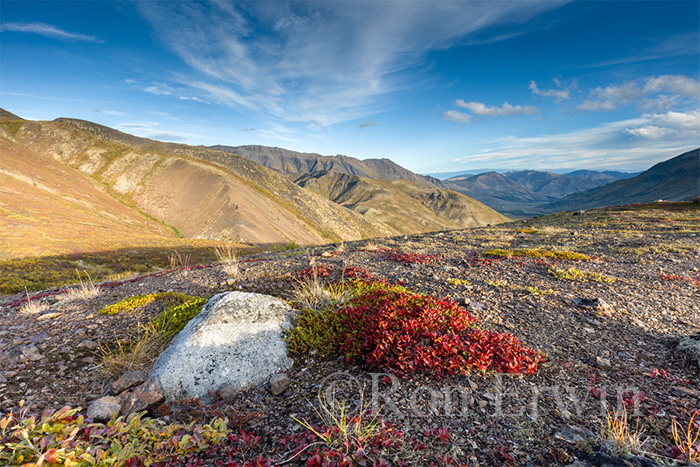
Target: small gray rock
(279, 383)
(88, 344)
(143, 397)
(104, 408)
(226, 392)
(575, 434)
(127, 381)
(603, 363)
(595, 304)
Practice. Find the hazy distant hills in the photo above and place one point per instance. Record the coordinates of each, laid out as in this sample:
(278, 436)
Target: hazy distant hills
(84, 182)
(677, 179)
(522, 193)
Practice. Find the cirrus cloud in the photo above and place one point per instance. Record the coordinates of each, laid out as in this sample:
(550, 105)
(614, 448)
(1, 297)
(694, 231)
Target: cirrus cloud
(48, 30)
(325, 62)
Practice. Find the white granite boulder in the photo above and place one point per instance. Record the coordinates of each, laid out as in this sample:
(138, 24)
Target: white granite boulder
(237, 339)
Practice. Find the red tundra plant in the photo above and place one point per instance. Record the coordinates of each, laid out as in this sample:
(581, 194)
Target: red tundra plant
(312, 272)
(393, 329)
(409, 258)
(678, 277)
(353, 272)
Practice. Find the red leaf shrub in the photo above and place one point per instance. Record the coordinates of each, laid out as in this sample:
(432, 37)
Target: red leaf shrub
(312, 272)
(396, 330)
(409, 258)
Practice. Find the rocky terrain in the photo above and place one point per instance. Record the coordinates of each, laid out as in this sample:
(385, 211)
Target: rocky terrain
(608, 316)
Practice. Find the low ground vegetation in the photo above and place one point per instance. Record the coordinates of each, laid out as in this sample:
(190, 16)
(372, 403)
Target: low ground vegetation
(447, 331)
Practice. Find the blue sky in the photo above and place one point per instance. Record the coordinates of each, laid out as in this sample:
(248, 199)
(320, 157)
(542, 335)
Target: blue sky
(434, 86)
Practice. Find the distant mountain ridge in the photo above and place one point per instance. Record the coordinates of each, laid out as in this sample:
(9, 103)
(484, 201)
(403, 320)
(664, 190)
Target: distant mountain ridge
(292, 162)
(523, 193)
(379, 189)
(677, 179)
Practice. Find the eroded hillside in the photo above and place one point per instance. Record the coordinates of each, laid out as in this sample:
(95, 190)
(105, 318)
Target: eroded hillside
(201, 192)
(405, 206)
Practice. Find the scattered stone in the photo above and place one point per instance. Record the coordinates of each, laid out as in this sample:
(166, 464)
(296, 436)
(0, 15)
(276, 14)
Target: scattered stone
(603, 363)
(575, 434)
(597, 304)
(143, 397)
(2, 378)
(48, 316)
(690, 346)
(88, 344)
(126, 382)
(279, 383)
(226, 282)
(31, 352)
(7, 358)
(104, 408)
(226, 392)
(236, 339)
(686, 391)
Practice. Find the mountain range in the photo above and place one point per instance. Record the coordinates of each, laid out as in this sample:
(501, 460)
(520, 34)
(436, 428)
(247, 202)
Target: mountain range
(526, 193)
(71, 184)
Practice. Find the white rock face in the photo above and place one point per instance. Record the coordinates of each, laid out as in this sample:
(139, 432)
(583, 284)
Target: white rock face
(236, 339)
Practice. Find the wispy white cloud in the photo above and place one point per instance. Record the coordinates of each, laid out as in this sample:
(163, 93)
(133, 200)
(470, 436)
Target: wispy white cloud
(631, 144)
(457, 116)
(506, 110)
(191, 98)
(113, 113)
(558, 95)
(48, 30)
(152, 130)
(662, 92)
(318, 61)
(157, 91)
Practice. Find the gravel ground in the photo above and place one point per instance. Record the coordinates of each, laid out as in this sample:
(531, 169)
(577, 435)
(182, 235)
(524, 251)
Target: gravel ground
(620, 354)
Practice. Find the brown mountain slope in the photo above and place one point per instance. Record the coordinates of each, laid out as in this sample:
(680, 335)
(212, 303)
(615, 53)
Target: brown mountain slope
(203, 193)
(677, 179)
(292, 162)
(404, 206)
(48, 208)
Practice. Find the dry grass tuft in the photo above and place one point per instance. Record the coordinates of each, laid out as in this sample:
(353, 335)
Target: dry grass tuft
(178, 261)
(84, 291)
(342, 431)
(138, 354)
(228, 258)
(617, 436)
(686, 440)
(315, 295)
(32, 307)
